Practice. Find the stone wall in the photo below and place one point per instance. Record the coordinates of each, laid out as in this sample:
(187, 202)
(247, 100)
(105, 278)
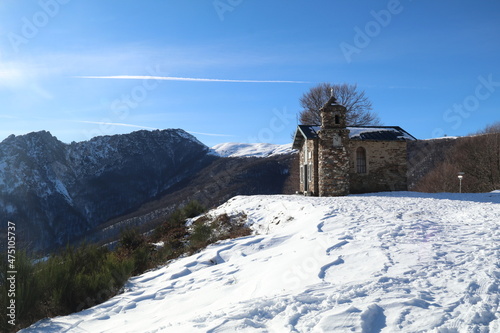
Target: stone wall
(333, 163)
(308, 156)
(386, 166)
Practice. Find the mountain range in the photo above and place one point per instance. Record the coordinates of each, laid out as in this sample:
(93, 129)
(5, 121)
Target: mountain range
(59, 193)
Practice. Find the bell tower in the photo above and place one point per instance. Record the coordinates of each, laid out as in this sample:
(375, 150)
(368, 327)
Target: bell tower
(333, 159)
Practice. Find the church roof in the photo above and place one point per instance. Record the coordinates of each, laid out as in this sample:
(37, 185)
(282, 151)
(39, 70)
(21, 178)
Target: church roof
(380, 133)
(309, 132)
(385, 133)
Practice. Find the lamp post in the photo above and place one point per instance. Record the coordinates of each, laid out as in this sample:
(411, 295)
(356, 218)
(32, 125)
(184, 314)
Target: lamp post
(460, 176)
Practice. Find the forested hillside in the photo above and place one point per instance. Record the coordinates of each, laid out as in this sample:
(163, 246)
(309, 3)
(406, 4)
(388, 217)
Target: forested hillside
(435, 164)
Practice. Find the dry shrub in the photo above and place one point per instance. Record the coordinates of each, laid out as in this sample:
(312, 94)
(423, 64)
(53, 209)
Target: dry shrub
(477, 156)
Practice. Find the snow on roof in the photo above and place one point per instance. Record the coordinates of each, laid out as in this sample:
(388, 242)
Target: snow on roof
(385, 133)
(378, 133)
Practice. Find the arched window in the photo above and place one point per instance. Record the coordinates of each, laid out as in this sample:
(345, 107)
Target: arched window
(337, 119)
(361, 160)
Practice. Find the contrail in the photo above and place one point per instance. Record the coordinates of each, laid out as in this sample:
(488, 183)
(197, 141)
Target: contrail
(174, 78)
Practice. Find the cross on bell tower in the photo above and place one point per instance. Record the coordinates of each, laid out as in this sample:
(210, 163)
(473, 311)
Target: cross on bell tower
(333, 114)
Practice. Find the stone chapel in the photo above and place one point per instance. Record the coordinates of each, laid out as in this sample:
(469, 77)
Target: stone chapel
(336, 159)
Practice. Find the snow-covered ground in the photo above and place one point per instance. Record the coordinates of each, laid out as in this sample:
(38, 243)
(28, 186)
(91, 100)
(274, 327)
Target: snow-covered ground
(232, 149)
(385, 262)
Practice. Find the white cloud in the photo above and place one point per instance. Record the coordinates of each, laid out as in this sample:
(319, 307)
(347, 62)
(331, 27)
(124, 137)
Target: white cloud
(173, 78)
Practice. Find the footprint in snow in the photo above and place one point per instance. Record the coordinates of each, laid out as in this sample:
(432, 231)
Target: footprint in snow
(182, 273)
(346, 237)
(373, 319)
(336, 246)
(322, 271)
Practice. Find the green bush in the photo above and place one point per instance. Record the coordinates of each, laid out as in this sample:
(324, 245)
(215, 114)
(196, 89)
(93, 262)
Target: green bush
(134, 245)
(163, 254)
(179, 216)
(121, 268)
(200, 237)
(173, 231)
(68, 282)
(193, 209)
(131, 239)
(82, 277)
(176, 219)
(142, 259)
(28, 291)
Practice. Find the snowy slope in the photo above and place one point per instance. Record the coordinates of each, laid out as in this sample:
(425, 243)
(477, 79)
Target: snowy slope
(232, 149)
(392, 262)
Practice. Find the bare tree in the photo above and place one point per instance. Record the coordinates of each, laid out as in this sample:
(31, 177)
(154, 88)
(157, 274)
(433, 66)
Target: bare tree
(478, 156)
(490, 129)
(359, 107)
(443, 178)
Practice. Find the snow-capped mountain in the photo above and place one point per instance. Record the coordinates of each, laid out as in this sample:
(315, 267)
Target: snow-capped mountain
(232, 149)
(56, 192)
(386, 262)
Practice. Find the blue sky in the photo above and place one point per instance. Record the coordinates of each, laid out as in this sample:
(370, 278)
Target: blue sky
(84, 68)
